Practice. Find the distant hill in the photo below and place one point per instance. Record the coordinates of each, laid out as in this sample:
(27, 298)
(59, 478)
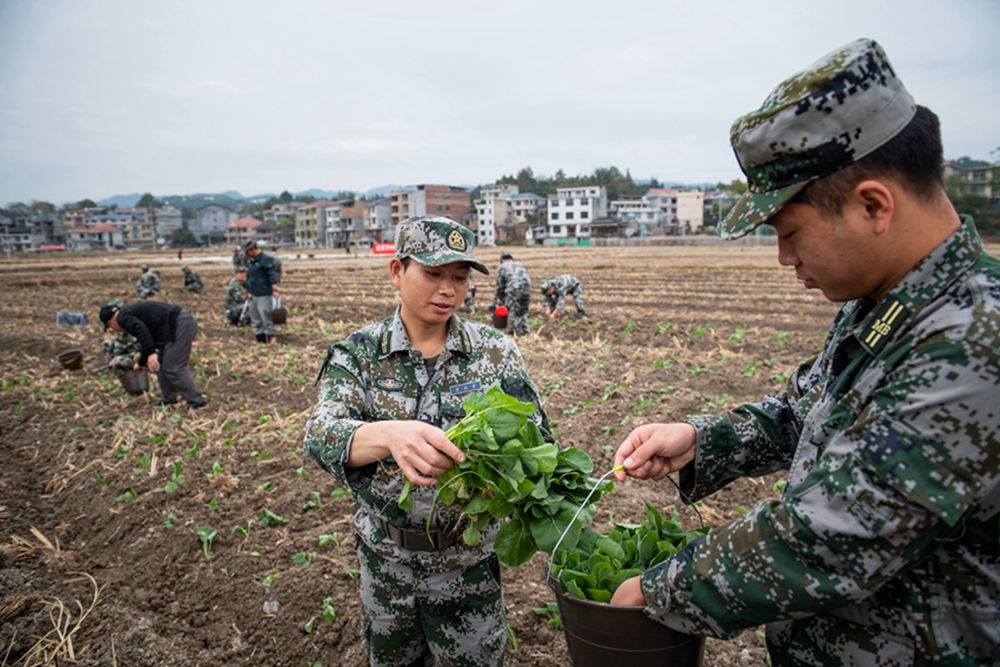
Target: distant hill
(120, 200)
(196, 201)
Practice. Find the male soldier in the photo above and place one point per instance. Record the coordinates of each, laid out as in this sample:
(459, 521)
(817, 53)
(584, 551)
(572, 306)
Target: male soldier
(883, 549)
(387, 393)
(262, 283)
(555, 292)
(120, 351)
(192, 281)
(148, 284)
(239, 259)
(236, 307)
(514, 291)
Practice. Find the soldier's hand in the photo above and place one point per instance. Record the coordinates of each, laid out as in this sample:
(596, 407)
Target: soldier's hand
(153, 362)
(630, 593)
(652, 451)
(420, 450)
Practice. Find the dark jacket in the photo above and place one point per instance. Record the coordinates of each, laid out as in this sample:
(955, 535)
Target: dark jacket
(261, 275)
(153, 323)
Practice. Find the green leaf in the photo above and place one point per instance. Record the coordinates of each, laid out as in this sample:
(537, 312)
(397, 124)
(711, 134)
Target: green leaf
(514, 545)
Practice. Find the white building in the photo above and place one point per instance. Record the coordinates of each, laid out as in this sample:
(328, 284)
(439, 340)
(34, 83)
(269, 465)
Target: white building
(378, 221)
(97, 237)
(212, 219)
(637, 211)
(166, 219)
(678, 211)
(570, 211)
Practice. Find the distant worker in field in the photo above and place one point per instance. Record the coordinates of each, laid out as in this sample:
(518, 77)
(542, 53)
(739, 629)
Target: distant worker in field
(883, 549)
(120, 352)
(165, 333)
(239, 258)
(387, 393)
(148, 284)
(192, 281)
(514, 292)
(262, 284)
(555, 292)
(237, 307)
(470, 300)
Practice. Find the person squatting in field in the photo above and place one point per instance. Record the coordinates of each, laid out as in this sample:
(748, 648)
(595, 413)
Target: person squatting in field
(386, 396)
(883, 549)
(164, 333)
(514, 292)
(120, 352)
(148, 284)
(555, 291)
(192, 281)
(236, 307)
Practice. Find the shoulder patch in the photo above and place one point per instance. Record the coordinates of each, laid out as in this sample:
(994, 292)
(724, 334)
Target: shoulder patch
(889, 317)
(389, 384)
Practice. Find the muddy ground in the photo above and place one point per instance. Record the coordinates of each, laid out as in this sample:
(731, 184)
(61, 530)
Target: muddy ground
(101, 565)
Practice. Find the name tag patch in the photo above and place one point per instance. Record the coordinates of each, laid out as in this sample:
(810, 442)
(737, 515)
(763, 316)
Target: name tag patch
(457, 389)
(389, 384)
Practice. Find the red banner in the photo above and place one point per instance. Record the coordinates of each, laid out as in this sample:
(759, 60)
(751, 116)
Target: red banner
(384, 248)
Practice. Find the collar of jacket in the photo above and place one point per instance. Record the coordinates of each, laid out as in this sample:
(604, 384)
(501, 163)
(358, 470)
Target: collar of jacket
(925, 282)
(395, 340)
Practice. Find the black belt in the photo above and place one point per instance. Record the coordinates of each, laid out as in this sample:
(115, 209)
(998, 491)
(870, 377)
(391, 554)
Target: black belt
(415, 540)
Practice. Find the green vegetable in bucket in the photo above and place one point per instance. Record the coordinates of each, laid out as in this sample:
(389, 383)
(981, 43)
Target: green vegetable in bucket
(597, 565)
(511, 473)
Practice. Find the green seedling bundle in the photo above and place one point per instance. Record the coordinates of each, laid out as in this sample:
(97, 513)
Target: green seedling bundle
(511, 473)
(597, 564)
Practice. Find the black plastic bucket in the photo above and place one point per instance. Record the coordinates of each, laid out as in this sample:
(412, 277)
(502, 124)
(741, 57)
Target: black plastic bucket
(134, 383)
(599, 635)
(71, 360)
(279, 315)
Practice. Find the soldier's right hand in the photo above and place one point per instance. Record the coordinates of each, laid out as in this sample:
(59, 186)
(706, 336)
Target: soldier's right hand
(422, 451)
(652, 451)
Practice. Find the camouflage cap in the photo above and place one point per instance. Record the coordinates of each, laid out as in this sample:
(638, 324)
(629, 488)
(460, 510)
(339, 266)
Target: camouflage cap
(144, 268)
(545, 286)
(249, 244)
(434, 241)
(818, 121)
(184, 267)
(506, 255)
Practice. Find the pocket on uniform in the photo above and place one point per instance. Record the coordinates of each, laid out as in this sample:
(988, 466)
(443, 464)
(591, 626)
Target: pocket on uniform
(822, 641)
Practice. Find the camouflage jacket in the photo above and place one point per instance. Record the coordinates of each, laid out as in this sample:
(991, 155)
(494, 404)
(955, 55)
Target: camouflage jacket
(192, 281)
(511, 277)
(883, 549)
(565, 284)
(120, 351)
(234, 293)
(375, 375)
(147, 284)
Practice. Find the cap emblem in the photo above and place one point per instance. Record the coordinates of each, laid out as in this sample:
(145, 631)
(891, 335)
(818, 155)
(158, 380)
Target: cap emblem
(456, 241)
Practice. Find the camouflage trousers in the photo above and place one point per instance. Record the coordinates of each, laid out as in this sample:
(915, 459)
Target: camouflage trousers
(517, 311)
(414, 618)
(237, 316)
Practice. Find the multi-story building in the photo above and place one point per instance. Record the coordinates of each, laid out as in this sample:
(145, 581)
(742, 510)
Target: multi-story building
(311, 223)
(443, 200)
(16, 236)
(570, 211)
(378, 221)
(346, 224)
(211, 220)
(166, 219)
(503, 213)
(95, 237)
(637, 211)
(678, 211)
(240, 231)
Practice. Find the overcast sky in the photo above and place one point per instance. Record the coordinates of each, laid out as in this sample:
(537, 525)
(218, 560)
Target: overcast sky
(99, 97)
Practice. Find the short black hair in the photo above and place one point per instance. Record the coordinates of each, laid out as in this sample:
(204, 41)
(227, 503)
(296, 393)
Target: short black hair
(914, 158)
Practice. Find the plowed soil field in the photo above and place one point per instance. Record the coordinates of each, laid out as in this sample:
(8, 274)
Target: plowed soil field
(101, 564)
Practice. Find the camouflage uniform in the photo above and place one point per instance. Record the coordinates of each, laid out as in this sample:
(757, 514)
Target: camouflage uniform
(883, 549)
(236, 313)
(120, 351)
(192, 281)
(239, 259)
(566, 285)
(514, 291)
(421, 602)
(148, 285)
(470, 300)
